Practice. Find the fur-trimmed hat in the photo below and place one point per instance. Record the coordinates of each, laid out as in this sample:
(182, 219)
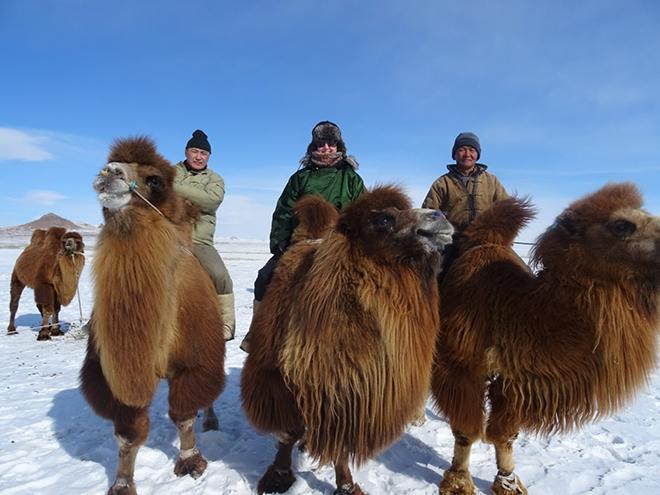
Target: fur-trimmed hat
(199, 140)
(326, 131)
(466, 139)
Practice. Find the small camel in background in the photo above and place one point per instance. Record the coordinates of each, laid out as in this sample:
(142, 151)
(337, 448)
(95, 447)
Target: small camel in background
(50, 265)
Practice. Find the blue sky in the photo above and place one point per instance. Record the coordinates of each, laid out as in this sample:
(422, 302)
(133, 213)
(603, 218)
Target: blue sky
(565, 95)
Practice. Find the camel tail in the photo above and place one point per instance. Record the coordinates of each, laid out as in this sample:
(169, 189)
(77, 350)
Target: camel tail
(500, 224)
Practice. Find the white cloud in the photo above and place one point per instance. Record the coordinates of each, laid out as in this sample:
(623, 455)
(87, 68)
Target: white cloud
(43, 197)
(23, 146)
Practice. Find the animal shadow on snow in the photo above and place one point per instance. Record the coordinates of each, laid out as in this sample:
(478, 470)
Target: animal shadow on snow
(85, 436)
(410, 456)
(33, 321)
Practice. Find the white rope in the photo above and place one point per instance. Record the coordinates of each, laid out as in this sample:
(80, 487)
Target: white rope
(133, 188)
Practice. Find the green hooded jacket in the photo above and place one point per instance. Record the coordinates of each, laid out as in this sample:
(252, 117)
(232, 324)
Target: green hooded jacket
(339, 185)
(207, 190)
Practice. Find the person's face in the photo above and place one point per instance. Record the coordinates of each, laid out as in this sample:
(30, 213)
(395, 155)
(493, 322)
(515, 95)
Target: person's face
(197, 159)
(327, 148)
(466, 158)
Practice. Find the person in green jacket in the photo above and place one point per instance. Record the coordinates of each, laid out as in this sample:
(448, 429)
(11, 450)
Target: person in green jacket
(195, 181)
(327, 171)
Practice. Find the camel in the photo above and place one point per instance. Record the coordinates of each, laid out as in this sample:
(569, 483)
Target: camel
(343, 340)
(155, 310)
(549, 350)
(50, 265)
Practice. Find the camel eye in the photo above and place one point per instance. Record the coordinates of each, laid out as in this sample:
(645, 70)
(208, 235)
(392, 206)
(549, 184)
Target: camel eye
(383, 222)
(623, 228)
(155, 183)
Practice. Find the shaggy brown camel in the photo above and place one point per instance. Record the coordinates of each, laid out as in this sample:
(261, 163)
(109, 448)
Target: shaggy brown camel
(50, 265)
(551, 350)
(155, 311)
(343, 340)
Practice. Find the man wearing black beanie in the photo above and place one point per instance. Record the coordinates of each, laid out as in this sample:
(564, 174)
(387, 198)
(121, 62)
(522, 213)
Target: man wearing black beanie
(195, 181)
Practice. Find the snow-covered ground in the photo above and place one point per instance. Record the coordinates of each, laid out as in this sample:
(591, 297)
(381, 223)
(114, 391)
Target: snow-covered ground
(51, 442)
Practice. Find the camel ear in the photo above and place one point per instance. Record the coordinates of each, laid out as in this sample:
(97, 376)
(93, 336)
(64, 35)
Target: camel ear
(567, 221)
(343, 226)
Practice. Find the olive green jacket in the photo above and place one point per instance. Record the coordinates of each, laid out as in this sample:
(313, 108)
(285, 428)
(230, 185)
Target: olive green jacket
(461, 201)
(339, 185)
(207, 190)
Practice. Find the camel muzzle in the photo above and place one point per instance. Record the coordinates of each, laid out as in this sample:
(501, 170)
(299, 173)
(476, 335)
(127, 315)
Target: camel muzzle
(112, 185)
(435, 227)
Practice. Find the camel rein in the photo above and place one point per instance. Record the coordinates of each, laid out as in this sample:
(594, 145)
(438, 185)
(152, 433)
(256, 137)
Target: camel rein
(133, 187)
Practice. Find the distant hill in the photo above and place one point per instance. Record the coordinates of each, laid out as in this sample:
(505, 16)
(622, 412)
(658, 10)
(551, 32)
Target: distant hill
(45, 222)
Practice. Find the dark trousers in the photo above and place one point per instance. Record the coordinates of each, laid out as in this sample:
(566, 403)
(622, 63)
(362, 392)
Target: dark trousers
(264, 276)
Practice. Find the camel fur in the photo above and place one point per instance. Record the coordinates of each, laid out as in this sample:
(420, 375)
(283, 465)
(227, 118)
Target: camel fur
(343, 339)
(155, 310)
(51, 265)
(553, 350)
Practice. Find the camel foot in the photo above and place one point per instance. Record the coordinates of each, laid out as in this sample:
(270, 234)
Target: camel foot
(210, 424)
(508, 484)
(43, 335)
(457, 483)
(122, 487)
(349, 489)
(194, 465)
(275, 480)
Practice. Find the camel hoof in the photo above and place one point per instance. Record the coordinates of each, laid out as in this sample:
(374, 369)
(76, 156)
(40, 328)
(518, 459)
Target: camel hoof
(508, 485)
(194, 465)
(210, 424)
(457, 483)
(122, 488)
(43, 335)
(349, 489)
(275, 480)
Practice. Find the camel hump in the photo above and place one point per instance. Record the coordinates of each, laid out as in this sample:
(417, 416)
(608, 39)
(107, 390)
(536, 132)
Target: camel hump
(38, 236)
(500, 224)
(315, 216)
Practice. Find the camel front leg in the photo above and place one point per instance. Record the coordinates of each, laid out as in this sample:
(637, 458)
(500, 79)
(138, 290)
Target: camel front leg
(44, 296)
(457, 479)
(55, 320)
(502, 430)
(279, 477)
(190, 460)
(344, 478)
(131, 432)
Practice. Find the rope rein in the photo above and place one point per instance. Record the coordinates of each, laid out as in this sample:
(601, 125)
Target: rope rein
(133, 187)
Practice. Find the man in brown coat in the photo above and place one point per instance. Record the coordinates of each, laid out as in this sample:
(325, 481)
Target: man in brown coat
(461, 194)
(467, 189)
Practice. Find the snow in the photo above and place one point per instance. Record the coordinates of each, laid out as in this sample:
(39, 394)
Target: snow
(51, 441)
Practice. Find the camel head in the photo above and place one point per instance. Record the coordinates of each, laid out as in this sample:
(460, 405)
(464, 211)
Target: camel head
(134, 169)
(606, 233)
(384, 227)
(71, 243)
